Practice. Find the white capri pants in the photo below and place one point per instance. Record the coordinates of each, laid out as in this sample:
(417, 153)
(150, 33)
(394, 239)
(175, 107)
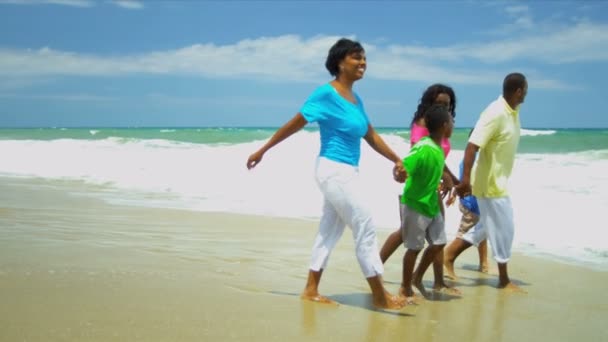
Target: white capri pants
(343, 205)
(496, 225)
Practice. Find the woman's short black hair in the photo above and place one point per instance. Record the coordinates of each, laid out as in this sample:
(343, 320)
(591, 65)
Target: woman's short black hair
(428, 99)
(342, 48)
(513, 82)
(435, 116)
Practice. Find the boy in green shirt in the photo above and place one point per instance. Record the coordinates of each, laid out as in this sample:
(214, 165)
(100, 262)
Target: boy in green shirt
(420, 212)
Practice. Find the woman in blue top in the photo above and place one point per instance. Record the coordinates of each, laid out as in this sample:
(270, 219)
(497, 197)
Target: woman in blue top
(342, 121)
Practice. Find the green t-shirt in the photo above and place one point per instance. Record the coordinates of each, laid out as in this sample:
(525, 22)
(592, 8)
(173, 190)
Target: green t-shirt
(424, 167)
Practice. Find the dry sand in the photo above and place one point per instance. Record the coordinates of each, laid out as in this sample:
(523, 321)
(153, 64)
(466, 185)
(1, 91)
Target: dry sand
(76, 268)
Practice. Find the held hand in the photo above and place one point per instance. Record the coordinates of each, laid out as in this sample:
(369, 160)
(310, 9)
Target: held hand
(446, 187)
(399, 173)
(254, 159)
(451, 198)
(464, 189)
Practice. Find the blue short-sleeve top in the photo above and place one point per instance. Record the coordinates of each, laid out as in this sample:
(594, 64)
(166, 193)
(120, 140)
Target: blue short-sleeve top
(342, 123)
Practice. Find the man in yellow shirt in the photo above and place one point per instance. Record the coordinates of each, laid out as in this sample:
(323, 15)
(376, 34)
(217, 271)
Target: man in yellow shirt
(495, 136)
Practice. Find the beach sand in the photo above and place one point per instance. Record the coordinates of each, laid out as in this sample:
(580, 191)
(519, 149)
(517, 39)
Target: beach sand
(73, 267)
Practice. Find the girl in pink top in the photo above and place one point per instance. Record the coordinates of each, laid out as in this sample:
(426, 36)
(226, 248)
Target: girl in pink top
(435, 94)
(418, 132)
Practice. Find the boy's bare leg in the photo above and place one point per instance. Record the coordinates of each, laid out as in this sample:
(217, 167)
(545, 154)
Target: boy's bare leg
(381, 298)
(482, 249)
(438, 267)
(391, 244)
(311, 291)
(427, 258)
(409, 261)
(451, 252)
(504, 282)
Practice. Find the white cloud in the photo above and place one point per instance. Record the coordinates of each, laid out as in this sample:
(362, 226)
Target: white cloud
(517, 10)
(73, 3)
(19, 82)
(60, 97)
(583, 42)
(520, 20)
(292, 58)
(287, 57)
(591, 6)
(128, 4)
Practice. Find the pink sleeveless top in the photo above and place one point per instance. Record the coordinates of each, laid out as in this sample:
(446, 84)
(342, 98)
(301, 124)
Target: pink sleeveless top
(418, 132)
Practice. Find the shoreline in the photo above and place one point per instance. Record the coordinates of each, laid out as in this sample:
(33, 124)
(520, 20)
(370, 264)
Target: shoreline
(74, 267)
(113, 196)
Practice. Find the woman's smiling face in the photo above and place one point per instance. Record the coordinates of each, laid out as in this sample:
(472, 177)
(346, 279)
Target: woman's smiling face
(354, 65)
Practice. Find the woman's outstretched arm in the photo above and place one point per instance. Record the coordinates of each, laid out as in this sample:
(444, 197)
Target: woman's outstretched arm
(292, 126)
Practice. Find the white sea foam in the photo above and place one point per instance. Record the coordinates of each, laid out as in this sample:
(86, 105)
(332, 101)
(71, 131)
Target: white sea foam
(558, 199)
(531, 132)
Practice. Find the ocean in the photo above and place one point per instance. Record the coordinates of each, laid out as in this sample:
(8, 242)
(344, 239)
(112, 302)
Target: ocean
(559, 186)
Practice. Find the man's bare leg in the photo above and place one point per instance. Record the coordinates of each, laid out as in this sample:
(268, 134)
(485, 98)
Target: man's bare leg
(439, 283)
(311, 291)
(391, 244)
(381, 298)
(504, 282)
(482, 249)
(451, 252)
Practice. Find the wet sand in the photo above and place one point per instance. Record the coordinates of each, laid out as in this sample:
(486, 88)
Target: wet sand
(73, 267)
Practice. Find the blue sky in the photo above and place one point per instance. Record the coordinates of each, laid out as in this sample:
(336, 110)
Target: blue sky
(66, 63)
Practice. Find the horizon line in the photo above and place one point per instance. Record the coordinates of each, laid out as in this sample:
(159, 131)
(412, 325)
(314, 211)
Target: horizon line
(253, 127)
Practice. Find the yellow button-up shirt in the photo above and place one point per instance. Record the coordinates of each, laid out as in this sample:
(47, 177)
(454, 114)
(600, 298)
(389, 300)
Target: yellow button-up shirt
(497, 135)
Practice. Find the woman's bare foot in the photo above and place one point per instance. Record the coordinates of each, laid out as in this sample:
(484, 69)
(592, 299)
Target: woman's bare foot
(315, 297)
(510, 287)
(483, 268)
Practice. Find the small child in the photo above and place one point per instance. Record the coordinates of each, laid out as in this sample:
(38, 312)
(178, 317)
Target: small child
(470, 217)
(421, 217)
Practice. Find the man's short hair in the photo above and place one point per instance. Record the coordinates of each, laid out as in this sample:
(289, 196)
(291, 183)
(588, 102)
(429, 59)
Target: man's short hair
(513, 82)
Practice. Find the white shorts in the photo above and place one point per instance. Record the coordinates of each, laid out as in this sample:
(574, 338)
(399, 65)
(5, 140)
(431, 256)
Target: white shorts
(496, 225)
(415, 228)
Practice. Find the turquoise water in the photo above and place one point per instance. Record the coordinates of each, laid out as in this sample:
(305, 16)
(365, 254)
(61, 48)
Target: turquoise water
(532, 141)
(190, 135)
